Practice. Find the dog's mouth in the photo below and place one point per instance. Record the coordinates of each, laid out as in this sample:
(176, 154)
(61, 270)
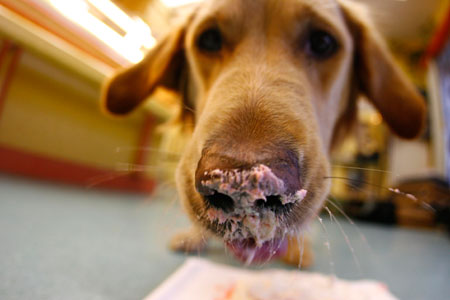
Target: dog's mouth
(261, 222)
(249, 252)
(253, 235)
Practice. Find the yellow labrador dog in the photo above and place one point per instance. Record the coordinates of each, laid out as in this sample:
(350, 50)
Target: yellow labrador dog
(273, 85)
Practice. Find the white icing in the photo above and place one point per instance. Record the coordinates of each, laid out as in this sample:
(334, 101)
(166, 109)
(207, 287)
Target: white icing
(245, 187)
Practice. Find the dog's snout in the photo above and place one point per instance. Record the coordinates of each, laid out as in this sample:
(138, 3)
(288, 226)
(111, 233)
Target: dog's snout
(230, 184)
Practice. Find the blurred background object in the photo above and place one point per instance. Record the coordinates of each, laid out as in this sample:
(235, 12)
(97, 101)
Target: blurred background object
(54, 58)
(372, 164)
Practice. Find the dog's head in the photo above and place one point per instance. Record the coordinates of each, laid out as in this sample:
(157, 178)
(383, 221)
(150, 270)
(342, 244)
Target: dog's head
(273, 85)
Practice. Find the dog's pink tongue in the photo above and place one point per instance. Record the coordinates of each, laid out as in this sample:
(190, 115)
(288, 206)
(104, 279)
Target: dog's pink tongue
(247, 251)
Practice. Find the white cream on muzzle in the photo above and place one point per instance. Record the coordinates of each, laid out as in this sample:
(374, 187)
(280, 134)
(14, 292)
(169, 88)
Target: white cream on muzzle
(246, 187)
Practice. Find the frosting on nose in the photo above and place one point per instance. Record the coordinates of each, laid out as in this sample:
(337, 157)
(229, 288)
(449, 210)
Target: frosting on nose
(234, 199)
(245, 187)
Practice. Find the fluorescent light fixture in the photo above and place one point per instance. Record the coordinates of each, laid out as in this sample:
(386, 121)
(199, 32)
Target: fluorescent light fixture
(114, 13)
(132, 45)
(175, 3)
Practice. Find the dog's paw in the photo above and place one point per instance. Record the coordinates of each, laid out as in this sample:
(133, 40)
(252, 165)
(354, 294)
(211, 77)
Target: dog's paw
(192, 240)
(298, 253)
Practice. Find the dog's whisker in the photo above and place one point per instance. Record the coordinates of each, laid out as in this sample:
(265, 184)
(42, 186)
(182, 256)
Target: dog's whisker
(250, 258)
(326, 5)
(171, 204)
(355, 180)
(301, 248)
(347, 240)
(108, 176)
(413, 198)
(188, 108)
(130, 167)
(392, 190)
(198, 250)
(363, 169)
(167, 155)
(278, 246)
(365, 192)
(327, 245)
(361, 235)
(203, 238)
(145, 148)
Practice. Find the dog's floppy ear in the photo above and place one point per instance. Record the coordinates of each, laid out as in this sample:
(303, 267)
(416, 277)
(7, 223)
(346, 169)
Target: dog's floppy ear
(162, 66)
(380, 79)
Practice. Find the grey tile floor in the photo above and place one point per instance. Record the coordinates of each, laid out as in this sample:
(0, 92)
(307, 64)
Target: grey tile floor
(60, 242)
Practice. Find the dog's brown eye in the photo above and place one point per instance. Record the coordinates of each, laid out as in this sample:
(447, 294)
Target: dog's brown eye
(322, 44)
(210, 40)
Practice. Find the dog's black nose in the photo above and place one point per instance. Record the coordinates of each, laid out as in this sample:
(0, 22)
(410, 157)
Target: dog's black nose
(229, 184)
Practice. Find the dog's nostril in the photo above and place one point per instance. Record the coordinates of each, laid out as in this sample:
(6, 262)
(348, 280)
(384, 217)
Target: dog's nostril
(273, 203)
(260, 203)
(220, 201)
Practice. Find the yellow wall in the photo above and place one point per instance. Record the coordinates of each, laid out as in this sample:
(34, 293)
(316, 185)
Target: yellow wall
(52, 108)
(52, 112)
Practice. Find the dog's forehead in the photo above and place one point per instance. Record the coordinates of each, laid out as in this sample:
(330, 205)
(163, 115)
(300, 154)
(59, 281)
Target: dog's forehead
(240, 12)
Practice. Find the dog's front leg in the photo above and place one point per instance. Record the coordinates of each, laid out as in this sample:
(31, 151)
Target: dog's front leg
(193, 239)
(299, 252)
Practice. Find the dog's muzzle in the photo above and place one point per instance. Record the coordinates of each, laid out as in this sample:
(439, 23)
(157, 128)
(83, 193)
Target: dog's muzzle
(249, 199)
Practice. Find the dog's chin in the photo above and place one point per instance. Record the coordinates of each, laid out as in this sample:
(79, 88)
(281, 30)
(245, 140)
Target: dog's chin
(251, 240)
(248, 252)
